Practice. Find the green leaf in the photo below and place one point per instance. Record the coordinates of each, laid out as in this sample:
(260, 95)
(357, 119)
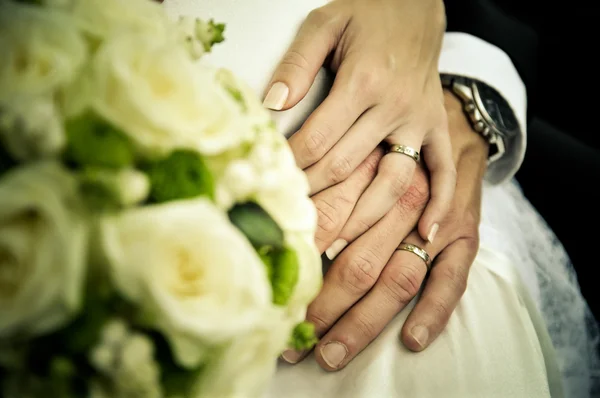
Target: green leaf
(303, 337)
(181, 175)
(93, 142)
(258, 226)
(285, 275)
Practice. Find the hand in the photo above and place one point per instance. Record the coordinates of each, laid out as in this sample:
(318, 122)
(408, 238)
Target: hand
(387, 88)
(370, 282)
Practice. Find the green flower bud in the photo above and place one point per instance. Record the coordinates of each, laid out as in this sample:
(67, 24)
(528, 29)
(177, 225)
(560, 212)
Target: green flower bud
(303, 337)
(181, 175)
(93, 142)
(209, 33)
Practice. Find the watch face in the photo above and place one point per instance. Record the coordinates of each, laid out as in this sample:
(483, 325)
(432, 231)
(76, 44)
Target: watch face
(497, 108)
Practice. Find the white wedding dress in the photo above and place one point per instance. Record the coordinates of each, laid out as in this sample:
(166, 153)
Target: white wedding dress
(522, 329)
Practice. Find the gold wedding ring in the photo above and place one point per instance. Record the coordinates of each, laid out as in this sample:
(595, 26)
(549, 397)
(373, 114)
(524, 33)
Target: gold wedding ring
(418, 251)
(405, 150)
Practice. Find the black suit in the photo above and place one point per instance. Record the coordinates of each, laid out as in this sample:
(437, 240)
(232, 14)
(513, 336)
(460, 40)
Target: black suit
(550, 46)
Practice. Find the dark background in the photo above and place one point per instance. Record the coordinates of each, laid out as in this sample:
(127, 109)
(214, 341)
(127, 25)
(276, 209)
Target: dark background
(552, 47)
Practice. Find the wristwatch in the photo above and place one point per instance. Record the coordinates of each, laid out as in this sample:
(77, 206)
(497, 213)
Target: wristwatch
(487, 111)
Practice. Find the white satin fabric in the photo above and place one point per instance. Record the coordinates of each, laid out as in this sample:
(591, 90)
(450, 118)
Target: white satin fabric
(496, 343)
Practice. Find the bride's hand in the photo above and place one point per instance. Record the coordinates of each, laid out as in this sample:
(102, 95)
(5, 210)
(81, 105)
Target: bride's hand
(371, 281)
(387, 88)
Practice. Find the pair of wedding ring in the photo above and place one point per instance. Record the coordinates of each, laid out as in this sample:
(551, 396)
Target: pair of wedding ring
(414, 154)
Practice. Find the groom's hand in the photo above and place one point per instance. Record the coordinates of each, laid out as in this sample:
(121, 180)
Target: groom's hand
(370, 282)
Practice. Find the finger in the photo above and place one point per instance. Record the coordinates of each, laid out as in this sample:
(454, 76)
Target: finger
(398, 284)
(394, 177)
(355, 271)
(360, 140)
(294, 75)
(438, 156)
(444, 289)
(343, 106)
(334, 205)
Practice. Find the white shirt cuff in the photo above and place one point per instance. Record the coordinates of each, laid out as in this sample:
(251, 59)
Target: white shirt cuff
(468, 56)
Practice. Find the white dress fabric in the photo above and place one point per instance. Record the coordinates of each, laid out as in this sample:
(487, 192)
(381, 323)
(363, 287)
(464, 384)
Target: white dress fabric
(522, 329)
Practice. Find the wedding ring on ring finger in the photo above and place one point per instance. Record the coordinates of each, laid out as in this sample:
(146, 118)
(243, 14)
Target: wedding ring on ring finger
(421, 253)
(405, 150)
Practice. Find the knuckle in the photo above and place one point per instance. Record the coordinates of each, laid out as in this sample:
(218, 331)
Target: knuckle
(472, 243)
(339, 170)
(314, 145)
(366, 82)
(365, 325)
(402, 284)
(456, 277)
(401, 101)
(371, 163)
(319, 17)
(441, 307)
(319, 319)
(398, 183)
(295, 60)
(416, 196)
(327, 216)
(359, 275)
(469, 222)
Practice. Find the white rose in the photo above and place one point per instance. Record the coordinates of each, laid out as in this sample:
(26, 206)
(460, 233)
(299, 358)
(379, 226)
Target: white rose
(105, 18)
(187, 266)
(43, 244)
(157, 95)
(32, 129)
(245, 367)
(283, 196)
(42, 50)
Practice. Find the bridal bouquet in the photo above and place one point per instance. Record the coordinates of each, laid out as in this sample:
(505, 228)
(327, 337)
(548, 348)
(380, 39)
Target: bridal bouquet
(156, 237)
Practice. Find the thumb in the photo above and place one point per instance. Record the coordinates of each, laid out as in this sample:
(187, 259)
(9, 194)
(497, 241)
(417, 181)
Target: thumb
(296, 72)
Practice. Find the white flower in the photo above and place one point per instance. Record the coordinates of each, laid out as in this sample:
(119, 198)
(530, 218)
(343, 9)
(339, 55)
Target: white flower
(43, 242)
(126, 359)
(41, 51)
(105, 18)
(32, 129)
(192, 270)
(239, 181)
(155, 93)
(246, 366)
(284, 195)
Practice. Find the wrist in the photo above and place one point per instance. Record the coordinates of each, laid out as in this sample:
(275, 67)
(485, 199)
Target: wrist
(465, 140)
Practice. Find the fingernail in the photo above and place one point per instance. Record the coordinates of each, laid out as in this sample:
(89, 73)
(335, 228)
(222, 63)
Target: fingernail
(335, 248)
(432, 232)
(420, 334)
(276, 96)
(291, 356)
(334, 354)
